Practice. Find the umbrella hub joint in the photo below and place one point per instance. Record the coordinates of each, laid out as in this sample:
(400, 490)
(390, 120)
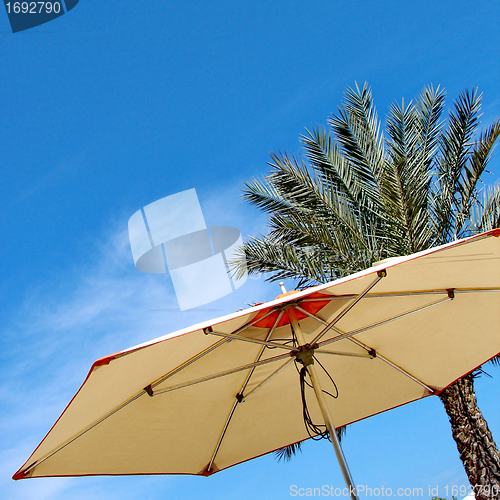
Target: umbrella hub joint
(305, 354)
(287, 305)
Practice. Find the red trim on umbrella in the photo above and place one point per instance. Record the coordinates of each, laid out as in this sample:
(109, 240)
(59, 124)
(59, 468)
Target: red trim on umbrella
(104, 361)
(438, 392)
(205, 472)
(100, 362)
(311, 307)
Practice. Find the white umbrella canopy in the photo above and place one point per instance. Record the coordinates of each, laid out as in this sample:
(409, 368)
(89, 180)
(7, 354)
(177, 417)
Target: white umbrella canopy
(227, 390)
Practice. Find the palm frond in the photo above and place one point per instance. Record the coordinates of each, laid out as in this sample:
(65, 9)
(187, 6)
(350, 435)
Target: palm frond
(287, 452)
(429, 108)
(277, 193)
(485, 214)
(263, 195)
(280, 261)
(307, 211)
(325, 157)
(471, 174)
(455, 145)
(358, 132)
(403, 180)
(362, 202)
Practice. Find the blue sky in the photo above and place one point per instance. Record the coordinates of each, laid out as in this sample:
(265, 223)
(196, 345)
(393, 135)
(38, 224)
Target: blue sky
(118, 104)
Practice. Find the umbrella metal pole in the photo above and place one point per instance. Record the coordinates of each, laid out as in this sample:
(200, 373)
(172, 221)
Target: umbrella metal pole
(331, 430)
(309, 364)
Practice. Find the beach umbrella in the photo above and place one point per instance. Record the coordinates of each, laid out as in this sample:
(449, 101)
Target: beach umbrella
(231, 389)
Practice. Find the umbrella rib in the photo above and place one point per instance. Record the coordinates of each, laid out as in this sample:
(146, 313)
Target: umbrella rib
(348, 336)
(219, 374)
(240, 393)
(342, 335)
(200, 355)
(323, 322)
(209, 331)
(391, 363)
(265, 381)
(340, 353)
(90, 427)
(173, 372)
(219, 442)
(399, 294)
(248, 325)
(262, 351)
(337, 318)
(311, 315)
(187, 363)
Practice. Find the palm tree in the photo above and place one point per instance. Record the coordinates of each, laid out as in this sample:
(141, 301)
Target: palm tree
(358, 197)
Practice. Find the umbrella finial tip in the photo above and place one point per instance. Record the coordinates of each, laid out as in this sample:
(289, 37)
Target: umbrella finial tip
(282, 286)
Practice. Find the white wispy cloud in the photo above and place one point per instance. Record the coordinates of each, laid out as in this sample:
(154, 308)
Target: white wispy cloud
(53, 338)
(99, 307)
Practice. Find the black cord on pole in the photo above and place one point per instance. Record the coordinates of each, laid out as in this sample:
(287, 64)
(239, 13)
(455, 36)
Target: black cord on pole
(315, 431)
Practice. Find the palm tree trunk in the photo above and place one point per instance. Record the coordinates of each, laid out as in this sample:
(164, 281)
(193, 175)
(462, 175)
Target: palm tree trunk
(475, 444)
